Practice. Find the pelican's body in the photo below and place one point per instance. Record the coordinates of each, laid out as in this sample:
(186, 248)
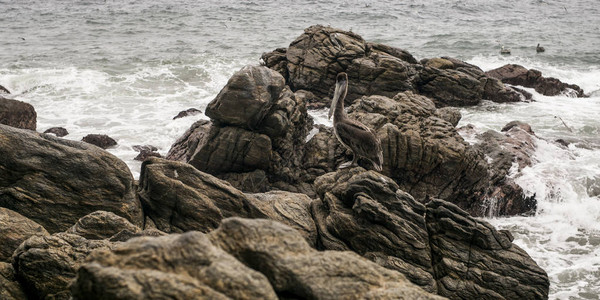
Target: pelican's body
(357, 137)
(539, 49)
(504, 50)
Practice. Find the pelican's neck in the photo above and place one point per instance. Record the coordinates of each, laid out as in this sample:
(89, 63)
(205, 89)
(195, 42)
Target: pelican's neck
(337, 104)
(338, 111)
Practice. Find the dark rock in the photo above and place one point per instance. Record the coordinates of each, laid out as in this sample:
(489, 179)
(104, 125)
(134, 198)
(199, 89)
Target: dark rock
(145, 152)
(276, 60)
(518, 124)
(562, 142)
(14, 229)
(450, 87)
(4, 90)
(46, 265)
(549, 86)
(450, 115)
(10, 289)
(296, 271)
(185, 146)
(101, 225)
(101, 140)
(58, 131)
(54, 181)
(17, 114)
(472, 260)
(249, 182)
(186, 113)
(148, 148)
(178, 266)
(365, 212)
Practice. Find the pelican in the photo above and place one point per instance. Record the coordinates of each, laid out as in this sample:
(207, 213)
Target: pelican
(504, 50)
(539, 49)
(357, 137)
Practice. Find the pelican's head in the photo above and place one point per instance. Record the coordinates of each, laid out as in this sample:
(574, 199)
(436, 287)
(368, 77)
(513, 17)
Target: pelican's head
(341, 89)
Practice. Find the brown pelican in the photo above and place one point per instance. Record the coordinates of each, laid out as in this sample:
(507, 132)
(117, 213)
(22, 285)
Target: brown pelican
(360, 139)
(539, 49)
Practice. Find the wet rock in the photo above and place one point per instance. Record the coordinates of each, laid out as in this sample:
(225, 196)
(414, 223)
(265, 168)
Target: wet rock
(518, 124)
(549, 86)
(14, 229)
(57, 131)
(145, 152)
(17, 114)
(101, 225)
(10, 289)
(562, 142)
(101, 140)
(450, 87)
(46, 265)
(450, 115)
(365, 212)
(296, 271)
(54, 181)
(276, 60)
(187, 113)
(4, 90)
(178, 266)
(472, 260)
(185, 146)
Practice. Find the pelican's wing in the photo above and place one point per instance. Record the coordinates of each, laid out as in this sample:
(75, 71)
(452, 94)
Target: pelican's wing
(361, 140)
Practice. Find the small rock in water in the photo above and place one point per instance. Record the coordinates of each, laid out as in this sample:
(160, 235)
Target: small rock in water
(187, 113)
(101, 140)
(145, 152)
(4, 90)
(58, 131)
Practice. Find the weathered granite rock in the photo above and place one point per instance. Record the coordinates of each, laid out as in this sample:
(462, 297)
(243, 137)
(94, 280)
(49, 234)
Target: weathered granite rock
(17, 114)
(58, 131)
(54, 182)
(549, 86)
(14, 229)
(10, 289)
(177, 266)
(247, 98)
(186, 113)
(472, 260)
(185, 146)
(101, 140)
(178, 197)
(297, 271)
(145, 152)
(365, 212)
(101, 225)
(45, 265)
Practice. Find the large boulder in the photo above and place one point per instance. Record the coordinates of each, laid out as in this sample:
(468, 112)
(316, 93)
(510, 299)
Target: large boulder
(473, 260)
(549, 86)
(185, 146)
(54, 182)
(177, 266)
(10, 289)
(101, 225)
(17, 114)
(297, 271)
(14, 229)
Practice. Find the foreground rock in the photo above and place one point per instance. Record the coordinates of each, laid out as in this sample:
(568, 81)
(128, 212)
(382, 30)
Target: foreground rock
(313, 60)
(14, 229)
(17, 114)
(54, 182)
(101, 140)
(549, 86)
(10, 289)
(437, 246)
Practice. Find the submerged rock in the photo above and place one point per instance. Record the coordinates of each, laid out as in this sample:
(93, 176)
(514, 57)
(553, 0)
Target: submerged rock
(549, 86)
(58, 131)
(101, 140)
(54, 181)
(186, 113)
(4, 90)
(17, 114)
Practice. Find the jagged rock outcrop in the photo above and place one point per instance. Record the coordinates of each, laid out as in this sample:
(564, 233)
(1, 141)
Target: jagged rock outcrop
(145, 152)
(185, 146)
(473, 260)
(101, 140)
(54, 181)
(10, 289)
(14, 229)
(178, 198)
(4, 90)
(17, 114)
(187, 113)
(549, 86)
(437, 246)
(313, 60)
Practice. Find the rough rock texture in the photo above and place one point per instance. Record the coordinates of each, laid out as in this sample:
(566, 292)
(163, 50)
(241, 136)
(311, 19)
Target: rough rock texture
(177, 198)
(17, 114)
(58, 131)
(10, 289)
(188, 112)
(437, 246)
(54, 182)
(313, 60)
(101, 140)
(365, 212)
(549, 86)
(177, 266)
(472, 260)
(45, 265)
(14, 229)
(297, 271)
(185, 146)
(145, 152)
(101, 225)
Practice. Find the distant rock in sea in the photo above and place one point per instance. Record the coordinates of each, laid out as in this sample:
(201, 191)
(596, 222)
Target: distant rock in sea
(187, 113)
(58, 131)
(549, 86)
(101, 140)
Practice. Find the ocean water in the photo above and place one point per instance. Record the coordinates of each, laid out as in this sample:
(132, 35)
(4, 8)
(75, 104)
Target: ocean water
(126, 67)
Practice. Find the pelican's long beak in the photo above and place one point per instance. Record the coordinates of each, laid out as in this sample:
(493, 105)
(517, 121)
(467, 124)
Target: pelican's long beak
(339, 89)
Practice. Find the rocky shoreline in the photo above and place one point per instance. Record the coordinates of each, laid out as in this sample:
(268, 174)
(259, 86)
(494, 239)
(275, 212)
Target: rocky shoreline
(251, 205)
